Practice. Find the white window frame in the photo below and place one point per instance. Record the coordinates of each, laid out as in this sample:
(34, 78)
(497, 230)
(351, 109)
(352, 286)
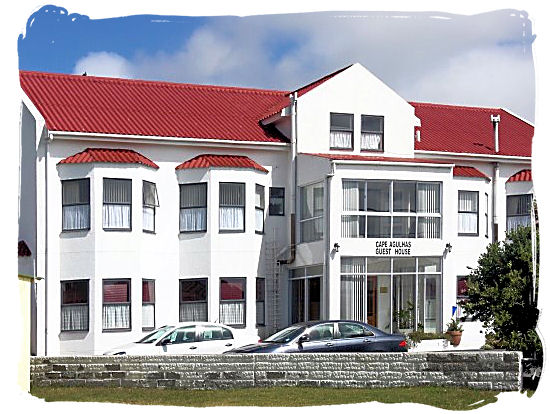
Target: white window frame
(469, 213)
(317, 215)
(363, 215)
(341, 130)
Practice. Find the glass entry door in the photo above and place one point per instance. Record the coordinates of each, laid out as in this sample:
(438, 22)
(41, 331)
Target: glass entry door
(306, 291)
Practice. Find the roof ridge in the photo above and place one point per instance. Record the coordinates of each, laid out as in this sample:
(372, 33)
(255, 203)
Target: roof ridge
(471, 107)
(159, 83)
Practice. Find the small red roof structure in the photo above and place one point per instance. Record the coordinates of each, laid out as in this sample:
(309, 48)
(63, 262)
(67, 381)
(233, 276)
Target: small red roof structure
(356, 157)
(221, 161)
(463, 129)
(109, 155)
(22, 249)
(465, 171)
(523, 175)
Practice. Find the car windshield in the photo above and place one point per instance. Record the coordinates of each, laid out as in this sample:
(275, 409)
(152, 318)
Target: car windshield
(153, 336)
(286, 335)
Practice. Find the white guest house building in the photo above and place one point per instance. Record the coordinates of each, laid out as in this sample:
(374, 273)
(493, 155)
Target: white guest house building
(145, 203)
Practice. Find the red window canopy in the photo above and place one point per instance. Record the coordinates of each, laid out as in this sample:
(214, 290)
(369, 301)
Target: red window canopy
(117, 291)
(232, 289)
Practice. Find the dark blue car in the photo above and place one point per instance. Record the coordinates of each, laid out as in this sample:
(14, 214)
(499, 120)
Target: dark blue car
(328, 336)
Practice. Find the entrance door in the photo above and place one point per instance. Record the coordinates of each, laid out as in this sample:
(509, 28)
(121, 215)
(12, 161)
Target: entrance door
(371, 301)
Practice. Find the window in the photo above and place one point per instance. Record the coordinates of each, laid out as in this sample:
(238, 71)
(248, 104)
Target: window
(324, 332)
(305, 293)
(233, 301)
(341, 131)
(193, 207)
(117, 204)
(260, 301)
(74, 306)
(232, 202)
(461, 288)
(216, 333)
(147, 304)
(276, 201)
(76, 204)
(468, 213)
(395, 294)
(372, 133)
(150, 203)
(518, 211)
(116, 305)
(193, 300)
(182, 335)
(353, 330)
(260, 207)
(311, 212)
(486, 215)
(383, 209)
(461, 297)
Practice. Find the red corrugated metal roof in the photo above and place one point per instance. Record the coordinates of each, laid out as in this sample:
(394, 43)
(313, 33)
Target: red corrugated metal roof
(465, 129)
(22, 249)
(523, 175)
(135, 107)
(465, 171)
(223, 161)
(109, 155)
(355, 157)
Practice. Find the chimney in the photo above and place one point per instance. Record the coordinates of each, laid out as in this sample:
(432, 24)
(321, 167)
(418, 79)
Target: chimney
(495, 119)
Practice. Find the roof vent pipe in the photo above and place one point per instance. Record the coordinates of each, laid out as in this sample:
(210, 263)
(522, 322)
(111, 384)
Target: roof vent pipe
(495, 119)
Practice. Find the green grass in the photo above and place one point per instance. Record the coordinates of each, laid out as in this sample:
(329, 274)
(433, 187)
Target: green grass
(441, 397)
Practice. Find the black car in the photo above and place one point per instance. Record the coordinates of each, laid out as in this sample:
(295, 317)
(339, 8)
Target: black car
(328, 336)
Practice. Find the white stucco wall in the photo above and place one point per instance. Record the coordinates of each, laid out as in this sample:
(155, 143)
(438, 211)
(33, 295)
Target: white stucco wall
(355, 91)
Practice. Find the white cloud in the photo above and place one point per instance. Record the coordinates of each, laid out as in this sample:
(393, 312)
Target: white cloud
(480, 77)
(472, 60)
(104, 64)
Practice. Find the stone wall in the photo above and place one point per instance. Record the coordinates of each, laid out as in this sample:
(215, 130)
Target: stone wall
(481, 370)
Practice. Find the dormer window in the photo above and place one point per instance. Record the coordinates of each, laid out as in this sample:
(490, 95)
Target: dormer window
(372, 133)
(341, 131)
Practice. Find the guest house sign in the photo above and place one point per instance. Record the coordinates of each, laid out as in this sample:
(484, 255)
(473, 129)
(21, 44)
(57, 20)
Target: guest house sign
(393, 247)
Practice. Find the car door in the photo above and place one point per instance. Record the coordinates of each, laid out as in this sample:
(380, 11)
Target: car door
(321, 339)
(215, 339)
(182, 340)
(354, 337)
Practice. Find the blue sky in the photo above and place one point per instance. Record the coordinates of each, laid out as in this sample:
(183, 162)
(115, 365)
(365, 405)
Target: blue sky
(484, 59)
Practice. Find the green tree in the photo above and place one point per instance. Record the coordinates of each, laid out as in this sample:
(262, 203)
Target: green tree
(501, 294)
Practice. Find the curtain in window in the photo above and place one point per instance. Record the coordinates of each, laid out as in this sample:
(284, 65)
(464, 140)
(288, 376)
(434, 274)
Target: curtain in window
(468, 208)
(148, 315)
(193, 207)
(353, 192)
(260, 205)
(232, 201)
(429, 227)
(352, 288)
(341, 139)
(428, 197)
(76, 204)
(148, 218)
(518, 221)
(353, 226)
(76, 217)
(117, 201)
(194, 311)
(74, 317)
(116, 316)
(150, 201)
(232, 313)
(370, 141)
